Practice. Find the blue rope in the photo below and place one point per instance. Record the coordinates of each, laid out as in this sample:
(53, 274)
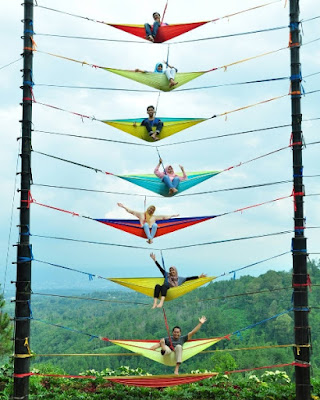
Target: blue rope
(91, 276)
(261, 322)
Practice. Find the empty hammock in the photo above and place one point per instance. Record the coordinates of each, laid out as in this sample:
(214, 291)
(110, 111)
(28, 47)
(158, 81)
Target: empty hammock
(153, 183)
(164, 226)
(146, 285)
(157, 381)
(190, 349)
(171, 126)
(165, 32)
(156, 80)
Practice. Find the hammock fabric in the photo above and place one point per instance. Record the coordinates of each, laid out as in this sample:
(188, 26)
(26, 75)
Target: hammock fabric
(171, 126)
(164, 226)
(155, 80)
(165, 32)
(157, 381)
(153, 183)
(146, 285)
(190, 349)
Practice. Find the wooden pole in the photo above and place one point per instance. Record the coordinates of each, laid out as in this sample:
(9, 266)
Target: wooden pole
(24, 252)
(299, 242)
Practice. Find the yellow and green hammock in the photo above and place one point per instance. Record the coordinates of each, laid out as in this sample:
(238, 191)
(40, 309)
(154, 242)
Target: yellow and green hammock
(146, 285)
(156, 80)
(171, 126)
(143, 347)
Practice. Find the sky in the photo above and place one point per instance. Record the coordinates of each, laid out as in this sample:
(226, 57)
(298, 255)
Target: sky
(131, 157)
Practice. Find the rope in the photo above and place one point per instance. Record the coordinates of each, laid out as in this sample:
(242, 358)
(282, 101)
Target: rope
(12, 62)
(167, 328)
(10, 224)
(177, 143)
(179, 195)
(170, 248)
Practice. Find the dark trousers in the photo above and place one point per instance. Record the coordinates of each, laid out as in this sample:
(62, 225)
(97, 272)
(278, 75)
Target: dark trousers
(160, 289)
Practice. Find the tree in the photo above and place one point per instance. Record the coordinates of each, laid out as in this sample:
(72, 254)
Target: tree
(5, 329)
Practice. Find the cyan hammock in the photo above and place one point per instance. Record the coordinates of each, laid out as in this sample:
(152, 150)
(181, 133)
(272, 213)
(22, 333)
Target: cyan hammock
(171, 126)
(153, 183)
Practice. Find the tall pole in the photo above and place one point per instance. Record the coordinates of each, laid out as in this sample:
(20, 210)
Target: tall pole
(24, 253)
(300, 279)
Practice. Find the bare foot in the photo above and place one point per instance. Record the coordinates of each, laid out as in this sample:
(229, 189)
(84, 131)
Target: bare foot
(171, 84)
(171, 191)
(154, 306)
(151, 38)
(149, 241)
(159, 305)
(174, 190)
(154, 136)
(176, 372)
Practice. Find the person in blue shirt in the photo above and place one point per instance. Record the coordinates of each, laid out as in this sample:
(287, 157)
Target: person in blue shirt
(151, 122)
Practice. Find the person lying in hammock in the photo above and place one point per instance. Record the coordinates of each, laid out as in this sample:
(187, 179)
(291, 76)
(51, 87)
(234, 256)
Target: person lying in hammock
(148, 220)
(171, 279)
(170, 72)
(151, 32)
(177, 341)
(169, 178)
(152, 121)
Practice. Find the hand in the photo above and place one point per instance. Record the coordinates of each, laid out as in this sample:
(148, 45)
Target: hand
(202, 275)
(120, 205)
(160, 160)
(153, 256)
(202, 320)
(176, 215)
(181, 167)
(134, 124)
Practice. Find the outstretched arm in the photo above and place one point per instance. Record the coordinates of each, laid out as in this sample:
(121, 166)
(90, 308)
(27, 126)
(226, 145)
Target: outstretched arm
(135, 213)
(155, 346)
(202, 320)
(159, 217)
(140, 70)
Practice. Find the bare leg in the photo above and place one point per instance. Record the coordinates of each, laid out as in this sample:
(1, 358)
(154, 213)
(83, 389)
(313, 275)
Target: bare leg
(154, 302)
(163, 345)
(161, 302)
(176, 370)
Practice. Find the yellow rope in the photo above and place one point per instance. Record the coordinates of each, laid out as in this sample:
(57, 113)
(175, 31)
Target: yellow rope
(137, 354)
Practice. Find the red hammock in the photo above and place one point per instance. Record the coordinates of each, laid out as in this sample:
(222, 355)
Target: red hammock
(157, 381)
(164, 226)
(165, 32)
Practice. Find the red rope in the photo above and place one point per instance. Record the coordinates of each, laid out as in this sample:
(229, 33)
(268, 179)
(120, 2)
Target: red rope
(167, 327)
(32, 200)
(294, 364)
(303, 284)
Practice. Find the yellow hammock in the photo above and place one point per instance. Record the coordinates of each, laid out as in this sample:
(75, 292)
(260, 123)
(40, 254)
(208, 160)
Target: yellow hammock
(190, 349)
(171, 126)
(156, 80)
(146, 285)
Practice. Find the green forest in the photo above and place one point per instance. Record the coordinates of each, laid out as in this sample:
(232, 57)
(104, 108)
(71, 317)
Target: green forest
(229, 306)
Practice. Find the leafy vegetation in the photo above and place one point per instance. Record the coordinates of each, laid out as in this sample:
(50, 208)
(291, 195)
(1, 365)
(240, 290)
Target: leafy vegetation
(128, 315)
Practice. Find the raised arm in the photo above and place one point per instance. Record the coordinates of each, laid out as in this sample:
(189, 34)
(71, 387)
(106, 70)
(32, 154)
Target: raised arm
(184, 173)
(135, 213)
(153, 256)
(156, 171)
(202, 320)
